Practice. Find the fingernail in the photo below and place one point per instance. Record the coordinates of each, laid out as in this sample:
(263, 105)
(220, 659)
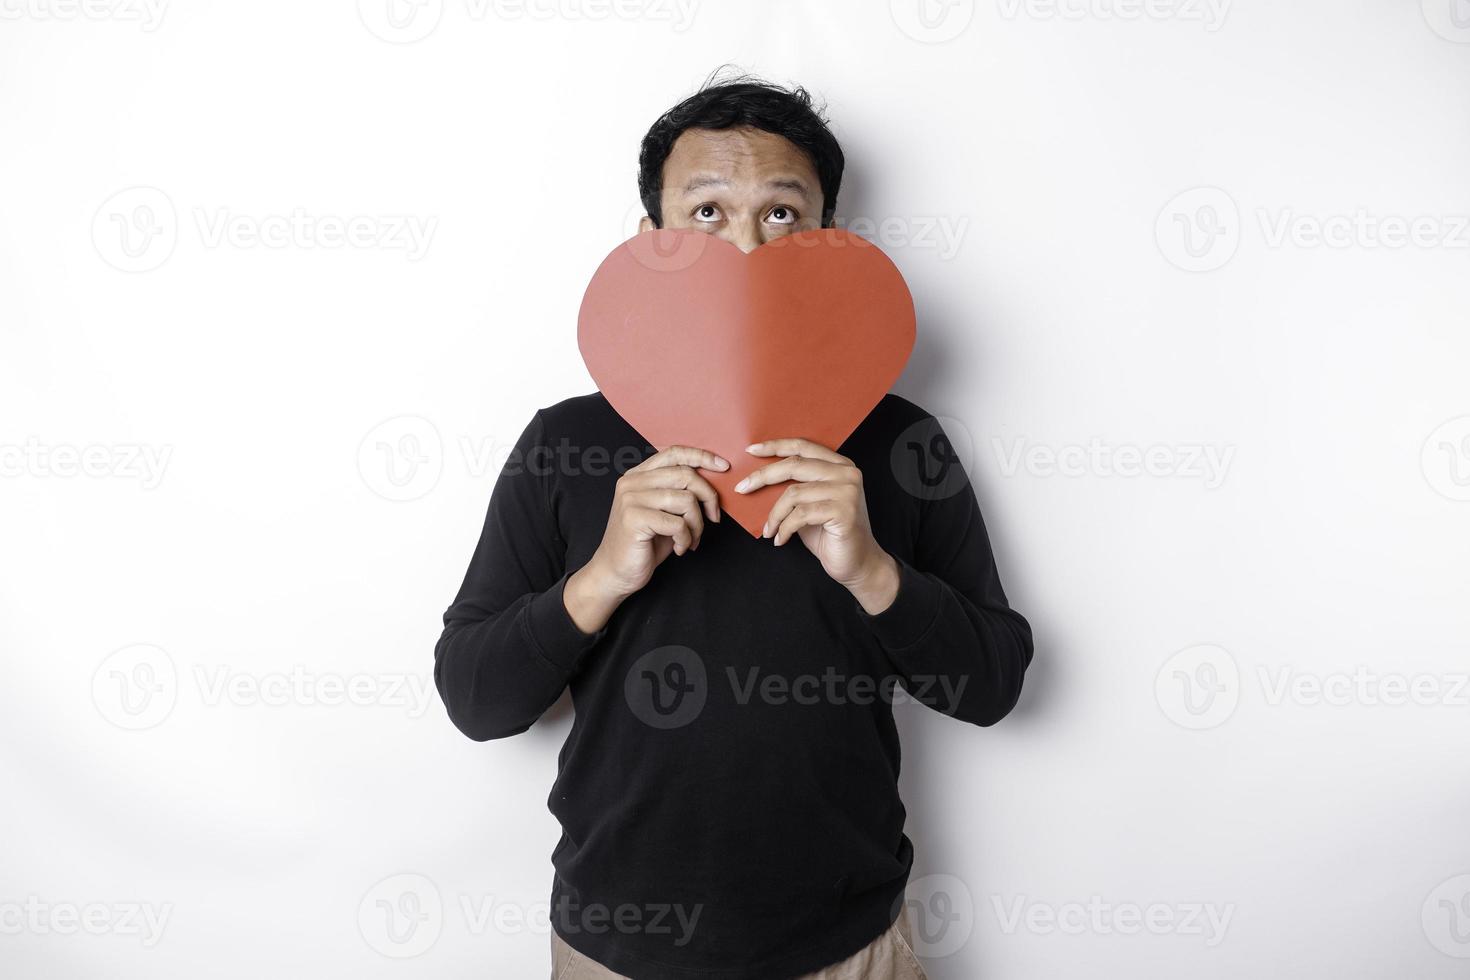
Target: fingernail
(743, 485)
(721, 463)
(765, 530)
(754, 446)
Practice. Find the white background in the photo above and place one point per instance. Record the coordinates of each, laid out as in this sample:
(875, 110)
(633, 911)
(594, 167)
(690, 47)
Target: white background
(1106, 214)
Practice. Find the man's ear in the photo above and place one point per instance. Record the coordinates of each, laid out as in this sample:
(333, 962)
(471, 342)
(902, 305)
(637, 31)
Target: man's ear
(645, 223)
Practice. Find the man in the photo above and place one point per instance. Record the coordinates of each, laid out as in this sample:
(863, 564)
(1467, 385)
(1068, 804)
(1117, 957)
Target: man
(728, 793)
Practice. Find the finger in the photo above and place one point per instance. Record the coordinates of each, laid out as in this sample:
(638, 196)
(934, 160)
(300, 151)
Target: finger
(796, 493)
(649, 523)
(674, 501)
(795, 468)
(682, 456)
(796, 447)
(806, 515)
(684, 478)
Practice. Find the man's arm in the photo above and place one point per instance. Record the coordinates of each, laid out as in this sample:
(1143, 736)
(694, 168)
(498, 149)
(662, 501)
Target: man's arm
(521, 624)
(949, 632)
(509, 645)
(942, 619)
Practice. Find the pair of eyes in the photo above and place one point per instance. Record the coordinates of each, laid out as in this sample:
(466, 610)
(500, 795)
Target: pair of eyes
(778, 215)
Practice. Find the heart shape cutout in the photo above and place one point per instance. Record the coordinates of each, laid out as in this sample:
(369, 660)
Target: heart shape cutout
(696, 343)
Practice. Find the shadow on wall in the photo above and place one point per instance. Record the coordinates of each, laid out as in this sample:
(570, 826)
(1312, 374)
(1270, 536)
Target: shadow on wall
(930, 769)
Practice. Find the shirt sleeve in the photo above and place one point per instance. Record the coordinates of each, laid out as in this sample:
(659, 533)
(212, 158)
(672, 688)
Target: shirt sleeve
(509, 645)
(950, 633)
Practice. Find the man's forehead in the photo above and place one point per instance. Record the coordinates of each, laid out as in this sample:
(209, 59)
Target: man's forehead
(703, 158)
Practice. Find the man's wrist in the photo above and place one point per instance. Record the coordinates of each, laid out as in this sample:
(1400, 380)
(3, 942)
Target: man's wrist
(877, 587)
(588, 600)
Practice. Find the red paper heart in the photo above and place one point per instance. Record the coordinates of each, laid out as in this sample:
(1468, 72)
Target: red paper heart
(697, 343)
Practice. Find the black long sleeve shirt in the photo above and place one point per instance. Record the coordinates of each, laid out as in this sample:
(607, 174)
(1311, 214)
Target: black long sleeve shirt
(728, 793)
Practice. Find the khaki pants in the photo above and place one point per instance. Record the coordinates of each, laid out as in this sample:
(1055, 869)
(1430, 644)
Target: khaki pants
(889, 957)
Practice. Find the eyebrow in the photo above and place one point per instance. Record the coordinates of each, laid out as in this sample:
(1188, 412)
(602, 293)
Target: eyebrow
(700, 181)
(705, 180)
(787, 184)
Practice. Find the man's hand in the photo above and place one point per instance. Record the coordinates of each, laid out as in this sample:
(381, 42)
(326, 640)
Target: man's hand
(826, 508)
(658, 508)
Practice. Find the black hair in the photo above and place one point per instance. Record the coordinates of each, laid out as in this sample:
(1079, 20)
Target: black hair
(743, 101)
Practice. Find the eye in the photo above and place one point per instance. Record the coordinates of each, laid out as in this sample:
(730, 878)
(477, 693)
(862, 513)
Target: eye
(781, 215)
(706, 212)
